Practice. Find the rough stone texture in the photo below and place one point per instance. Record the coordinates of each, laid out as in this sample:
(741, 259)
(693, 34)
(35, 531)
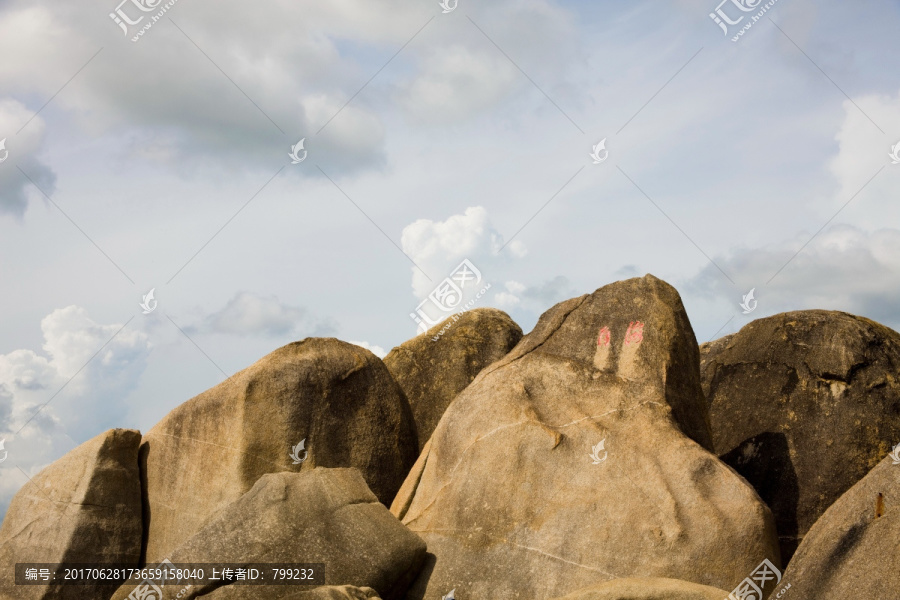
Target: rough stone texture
(85, 507)
(212, 449)
(649, 588)
(803, 404)
(505, 493)
(850, 552)
(318, 516)
(432, 370)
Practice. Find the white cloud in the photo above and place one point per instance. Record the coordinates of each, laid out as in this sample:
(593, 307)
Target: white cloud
(289, 66)
(71, 341)
(376, 350)
(844, 268)
(78, 385)
(535, 298)
(457, 82)
(23, 149)
(248, 314)
(510, 297)
(439, 246)
(863, 149)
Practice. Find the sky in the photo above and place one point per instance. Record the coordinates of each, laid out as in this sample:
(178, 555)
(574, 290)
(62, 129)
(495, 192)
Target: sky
(283, 169)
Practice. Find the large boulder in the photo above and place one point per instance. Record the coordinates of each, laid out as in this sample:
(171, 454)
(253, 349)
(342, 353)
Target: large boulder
(851, 551)
(434, 367)
(516, 495)
(318, 516)
(803, 404)
(208, 452)
(647, 588)
(83, 508)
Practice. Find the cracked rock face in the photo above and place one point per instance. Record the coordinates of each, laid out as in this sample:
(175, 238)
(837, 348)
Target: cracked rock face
(433, 368)
(516, 496)
(83, 508)
(803, 404)
(212, 449)
(319, 516)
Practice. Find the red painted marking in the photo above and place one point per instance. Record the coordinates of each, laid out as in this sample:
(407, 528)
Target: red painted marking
(603, 338)
(635, 333)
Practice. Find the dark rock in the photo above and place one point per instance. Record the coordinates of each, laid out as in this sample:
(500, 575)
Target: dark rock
(803, 404)
(432, 369)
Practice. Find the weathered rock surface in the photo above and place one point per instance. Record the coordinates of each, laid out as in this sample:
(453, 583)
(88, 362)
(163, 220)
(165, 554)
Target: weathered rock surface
(649, 588)
(212, 449)
(433, 369)
(851, 552)
(318, 516)
(85, 507)
(803, 404)
(509, 500)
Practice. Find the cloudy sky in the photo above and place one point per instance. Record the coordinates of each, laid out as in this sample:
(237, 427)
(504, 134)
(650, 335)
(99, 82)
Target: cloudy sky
(160, 161)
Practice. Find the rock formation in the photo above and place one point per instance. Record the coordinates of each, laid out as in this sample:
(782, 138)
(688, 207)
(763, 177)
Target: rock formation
(581, 457)
(337, 397)
(803, 405)
(432, 369)
(600, 457)
(324, 516)
(851, 551)
(83, 508)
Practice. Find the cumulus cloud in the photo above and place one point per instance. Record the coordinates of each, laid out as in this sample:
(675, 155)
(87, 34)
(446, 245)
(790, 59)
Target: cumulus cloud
(21, 150)
(172, 104)
(534, 298)
(844, 268)
(290, 68)
(376, 350)
(72, 391)
(863, 149)
(70, 362)
(248, 314)
(438, 247)
(510, 297)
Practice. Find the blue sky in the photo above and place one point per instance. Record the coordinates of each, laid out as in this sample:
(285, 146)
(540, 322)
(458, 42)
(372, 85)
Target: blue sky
(431, 138)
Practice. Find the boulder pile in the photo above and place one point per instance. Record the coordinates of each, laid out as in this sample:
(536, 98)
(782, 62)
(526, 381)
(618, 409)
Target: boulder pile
(602, 456)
